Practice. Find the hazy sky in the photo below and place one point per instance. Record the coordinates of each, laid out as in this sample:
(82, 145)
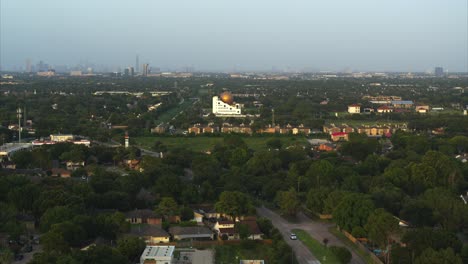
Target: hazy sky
(377, 35)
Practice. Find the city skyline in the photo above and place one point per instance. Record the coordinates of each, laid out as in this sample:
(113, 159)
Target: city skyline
(390, 36)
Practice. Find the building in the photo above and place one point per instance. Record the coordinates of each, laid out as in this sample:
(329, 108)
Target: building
(402, 104)
(354, 109)
(439, 71)
(59, 172)
(384, 109)
(375, 131)
(422, 109)
(150, 234)
(157, 255)
(9, 149)
(191, 232)
(224, 106)
(143, 216)
(61, 137)
(254, 230)
(242, 129)
(339, 136)
(145, 71)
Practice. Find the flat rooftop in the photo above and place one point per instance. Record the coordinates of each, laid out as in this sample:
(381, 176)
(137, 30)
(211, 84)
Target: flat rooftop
(155, 252)
(9, 148)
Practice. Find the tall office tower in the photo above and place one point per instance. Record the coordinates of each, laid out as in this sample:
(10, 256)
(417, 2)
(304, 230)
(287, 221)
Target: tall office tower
(145, 69)
(28, 65)
(132, 71)
(439, 71)
(127, 72)
(137, 64)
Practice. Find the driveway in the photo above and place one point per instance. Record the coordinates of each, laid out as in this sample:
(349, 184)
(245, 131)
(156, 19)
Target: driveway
(317, 230)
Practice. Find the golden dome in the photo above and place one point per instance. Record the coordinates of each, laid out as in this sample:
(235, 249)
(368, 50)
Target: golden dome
(227, 98)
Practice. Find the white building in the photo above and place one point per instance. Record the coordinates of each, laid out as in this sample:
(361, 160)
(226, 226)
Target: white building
(225, 106)
(354, 109)
(157, 255)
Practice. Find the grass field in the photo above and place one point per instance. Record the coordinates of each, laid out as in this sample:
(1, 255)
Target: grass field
(200, 143)
(171, 113)
(317, 248)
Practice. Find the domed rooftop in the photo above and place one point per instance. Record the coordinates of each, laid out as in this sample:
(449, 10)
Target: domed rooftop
(227, 98)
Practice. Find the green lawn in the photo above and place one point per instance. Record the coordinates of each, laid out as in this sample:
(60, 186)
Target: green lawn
(170, 113)
(317, 248)
(234, 253)
(201, 143)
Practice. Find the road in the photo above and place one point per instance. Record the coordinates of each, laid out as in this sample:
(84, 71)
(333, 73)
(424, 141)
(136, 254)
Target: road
(317, 230)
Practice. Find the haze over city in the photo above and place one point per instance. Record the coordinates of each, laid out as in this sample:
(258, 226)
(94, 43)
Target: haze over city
(395, 35)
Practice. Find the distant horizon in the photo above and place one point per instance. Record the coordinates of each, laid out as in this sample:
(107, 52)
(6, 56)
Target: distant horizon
(227, 36)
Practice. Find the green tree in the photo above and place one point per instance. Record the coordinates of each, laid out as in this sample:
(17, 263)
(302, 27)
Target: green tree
(288, 202)
(380, 226)
(353, 211)
(131, 247)
(168, 206)
(234, 204)
(443, 256)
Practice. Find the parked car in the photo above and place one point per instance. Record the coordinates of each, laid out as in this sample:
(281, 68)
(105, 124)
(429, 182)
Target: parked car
(293, 236)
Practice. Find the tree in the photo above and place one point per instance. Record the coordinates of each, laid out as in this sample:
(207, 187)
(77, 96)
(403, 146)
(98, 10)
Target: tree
(131, 247)
(418, 240)
(288, 202)
(234, 204)
(186, 214)
(243, 230)
(168, 206)
(320, 173)
(353, 211)
(380, 226)
(431, 256)
(316, 198)
(274, 143)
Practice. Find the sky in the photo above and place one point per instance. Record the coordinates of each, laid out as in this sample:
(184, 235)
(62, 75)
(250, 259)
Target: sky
(225, 35)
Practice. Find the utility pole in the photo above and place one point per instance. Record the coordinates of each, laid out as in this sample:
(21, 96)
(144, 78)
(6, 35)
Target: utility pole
(18, 112)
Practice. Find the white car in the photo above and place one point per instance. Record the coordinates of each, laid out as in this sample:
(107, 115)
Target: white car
(293, 236)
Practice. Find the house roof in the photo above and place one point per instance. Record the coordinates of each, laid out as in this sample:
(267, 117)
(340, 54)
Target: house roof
(190, 230)
(228, 231)
(253, 227)
(354, 105)
(141, 213)
(336, 134)
(148, 230)
(384, 107)
(225, 222)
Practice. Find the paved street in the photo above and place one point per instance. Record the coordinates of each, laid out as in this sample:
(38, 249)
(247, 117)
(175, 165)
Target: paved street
(317, 230)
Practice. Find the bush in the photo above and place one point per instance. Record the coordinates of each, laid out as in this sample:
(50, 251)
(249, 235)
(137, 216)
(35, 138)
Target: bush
(342, 254)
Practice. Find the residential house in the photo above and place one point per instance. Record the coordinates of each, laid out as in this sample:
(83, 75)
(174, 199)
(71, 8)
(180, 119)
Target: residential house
(422, 109)
(301, 130)
(74, 165)
(150, 234)
(354, 109)
(384, 109)
(226, 230)
(254, 230)
(59, 172)
(133, 164)
(373, 131)
(242, 129)
(326, 147)
(402, 104)
(339, 136)
(143, 216)
(191, 232)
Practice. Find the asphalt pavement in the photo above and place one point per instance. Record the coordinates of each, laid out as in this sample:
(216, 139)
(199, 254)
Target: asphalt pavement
(317, 230)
